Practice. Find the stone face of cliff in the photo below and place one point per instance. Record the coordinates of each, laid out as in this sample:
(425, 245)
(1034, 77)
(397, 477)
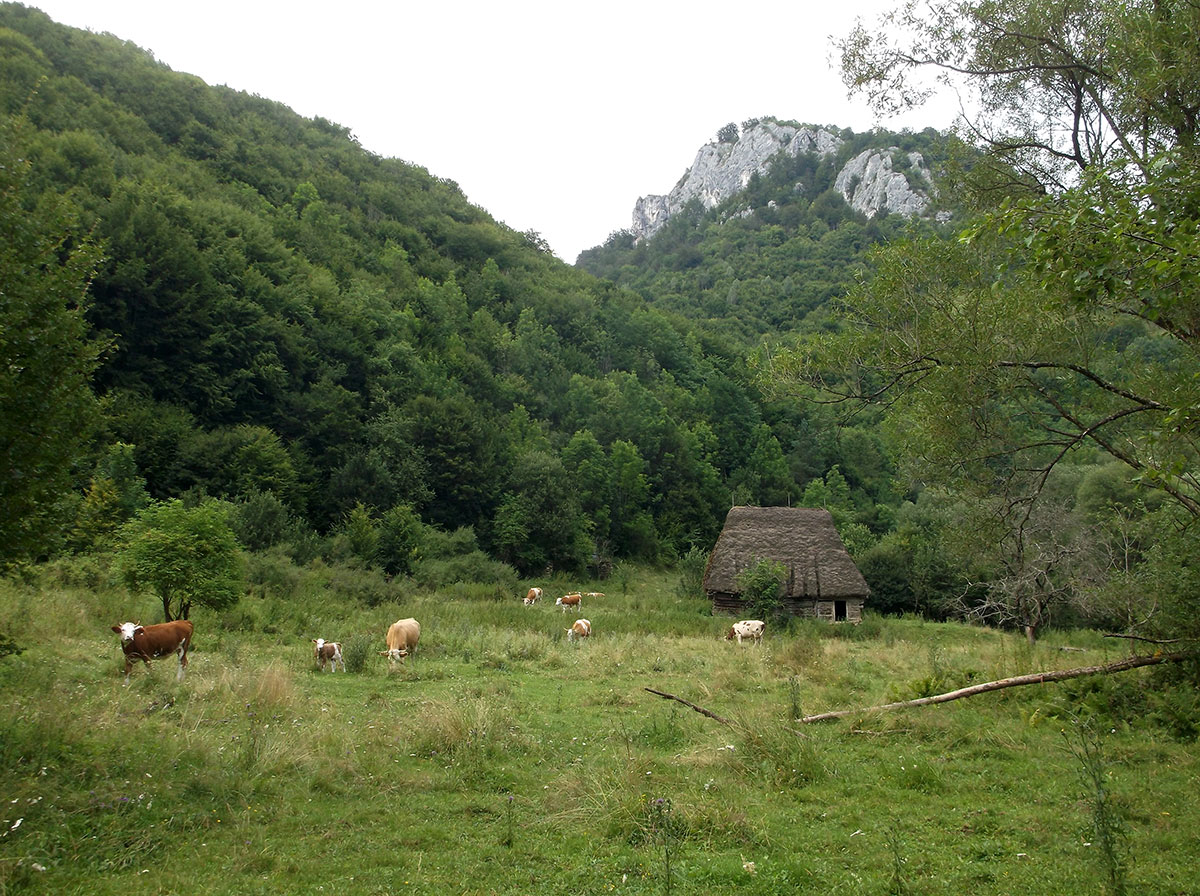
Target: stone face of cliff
(869, 182)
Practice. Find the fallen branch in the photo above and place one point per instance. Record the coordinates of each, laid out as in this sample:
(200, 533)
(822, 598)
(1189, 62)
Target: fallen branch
(1150, 640)
(1132, 662)
(690, 705)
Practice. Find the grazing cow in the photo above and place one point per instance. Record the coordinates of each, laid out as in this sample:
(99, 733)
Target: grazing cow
(574, 599)
(747, 628)
(328, 652)
(141, 642)
(581, 629)
(402, 637)
(594, 594)
(533, 596)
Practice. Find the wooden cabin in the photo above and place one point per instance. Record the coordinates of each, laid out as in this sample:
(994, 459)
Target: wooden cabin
(821, 579)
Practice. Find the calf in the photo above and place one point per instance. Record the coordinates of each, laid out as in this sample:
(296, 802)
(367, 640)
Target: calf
(574, 599)
(328, 652)
(581, 629)
(747, 628)
(402, 637)
(533, 596)
(141, 642)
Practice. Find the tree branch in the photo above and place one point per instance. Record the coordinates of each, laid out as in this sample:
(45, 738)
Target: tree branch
(1132, 662)
(690, 705)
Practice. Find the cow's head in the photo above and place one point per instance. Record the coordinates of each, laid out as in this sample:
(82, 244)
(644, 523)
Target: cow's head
(395, 653)
(127, 630)
(732, 634)
(320, 642)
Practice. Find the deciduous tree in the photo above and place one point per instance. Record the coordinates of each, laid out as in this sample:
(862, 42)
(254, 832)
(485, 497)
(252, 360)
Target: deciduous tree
(185, 555)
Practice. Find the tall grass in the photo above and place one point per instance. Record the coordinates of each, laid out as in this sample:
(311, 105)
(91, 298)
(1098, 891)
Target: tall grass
(500, 758)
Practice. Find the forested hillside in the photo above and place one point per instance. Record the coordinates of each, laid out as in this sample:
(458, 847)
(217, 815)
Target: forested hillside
(285, 321)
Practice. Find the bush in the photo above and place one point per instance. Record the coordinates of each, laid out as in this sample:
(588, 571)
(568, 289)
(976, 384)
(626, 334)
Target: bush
(356, 652)
(691, 573)
(761, 585)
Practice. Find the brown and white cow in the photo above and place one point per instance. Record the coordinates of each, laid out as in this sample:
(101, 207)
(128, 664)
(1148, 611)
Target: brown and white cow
(533, 596)
(402, 637)
(581, 629)
(142, 642)
(328, 652)
(574, 599)
(594, 594)
(747, 628)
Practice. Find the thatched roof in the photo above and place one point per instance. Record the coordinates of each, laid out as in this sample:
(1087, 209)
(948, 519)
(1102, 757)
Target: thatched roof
(803, 539)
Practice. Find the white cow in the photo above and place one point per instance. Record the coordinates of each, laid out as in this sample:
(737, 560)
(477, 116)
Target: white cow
(747, 628)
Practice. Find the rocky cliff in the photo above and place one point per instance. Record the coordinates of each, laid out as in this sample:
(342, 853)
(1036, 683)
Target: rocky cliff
(872, 182)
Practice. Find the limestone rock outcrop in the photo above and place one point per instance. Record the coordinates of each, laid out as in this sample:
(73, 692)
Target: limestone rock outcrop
(871, 182)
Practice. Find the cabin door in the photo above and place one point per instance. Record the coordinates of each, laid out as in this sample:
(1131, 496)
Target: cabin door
(839, 611)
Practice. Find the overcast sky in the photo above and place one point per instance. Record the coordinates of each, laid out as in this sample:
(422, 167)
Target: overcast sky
(553, 116)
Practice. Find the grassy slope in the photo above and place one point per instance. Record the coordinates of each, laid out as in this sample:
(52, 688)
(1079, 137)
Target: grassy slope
(502, 759)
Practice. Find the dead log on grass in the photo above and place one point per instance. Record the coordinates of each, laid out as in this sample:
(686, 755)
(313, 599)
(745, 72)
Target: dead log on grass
(1132, 662)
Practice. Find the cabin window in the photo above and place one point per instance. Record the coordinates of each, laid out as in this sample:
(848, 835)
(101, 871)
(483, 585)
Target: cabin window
(839, 611)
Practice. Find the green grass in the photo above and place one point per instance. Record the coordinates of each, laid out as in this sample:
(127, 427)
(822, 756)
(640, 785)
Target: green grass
(503, 759)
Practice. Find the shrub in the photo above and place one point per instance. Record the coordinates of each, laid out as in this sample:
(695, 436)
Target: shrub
(691, 573)
(761, 585)
(356, 652)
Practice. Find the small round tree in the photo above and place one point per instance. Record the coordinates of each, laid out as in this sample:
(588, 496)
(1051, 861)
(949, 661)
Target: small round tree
(184, 555)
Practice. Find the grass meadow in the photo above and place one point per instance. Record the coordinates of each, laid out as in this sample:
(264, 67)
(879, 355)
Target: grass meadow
(503, 759)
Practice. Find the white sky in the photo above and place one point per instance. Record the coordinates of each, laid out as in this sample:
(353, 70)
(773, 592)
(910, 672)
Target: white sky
(553, 116)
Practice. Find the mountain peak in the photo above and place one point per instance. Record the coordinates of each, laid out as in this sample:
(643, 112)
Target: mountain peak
(870, 182)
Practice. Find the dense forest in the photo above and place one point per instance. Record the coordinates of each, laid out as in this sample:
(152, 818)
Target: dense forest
(214, 300)
(284, 321)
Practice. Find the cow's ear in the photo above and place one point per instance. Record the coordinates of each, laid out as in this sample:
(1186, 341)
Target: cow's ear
(117, 629)
(140, 628)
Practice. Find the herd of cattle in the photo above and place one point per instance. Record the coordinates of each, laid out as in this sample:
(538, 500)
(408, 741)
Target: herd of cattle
(144, 642)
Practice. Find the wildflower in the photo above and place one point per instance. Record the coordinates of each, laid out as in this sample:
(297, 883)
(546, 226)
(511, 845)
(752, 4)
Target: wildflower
(748, 867)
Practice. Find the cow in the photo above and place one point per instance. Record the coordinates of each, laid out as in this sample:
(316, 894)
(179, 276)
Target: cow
(574, 599)
(747, 628)
(402, 637)
(581, 629)
(594, 594)
(142, 642)
(328, 652)
(533, 596)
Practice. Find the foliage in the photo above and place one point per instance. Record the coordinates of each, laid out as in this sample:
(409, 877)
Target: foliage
(691, 573)
(46, 354)
(291, 315)
(761, 587)
(1055, 331)
(185, 555)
